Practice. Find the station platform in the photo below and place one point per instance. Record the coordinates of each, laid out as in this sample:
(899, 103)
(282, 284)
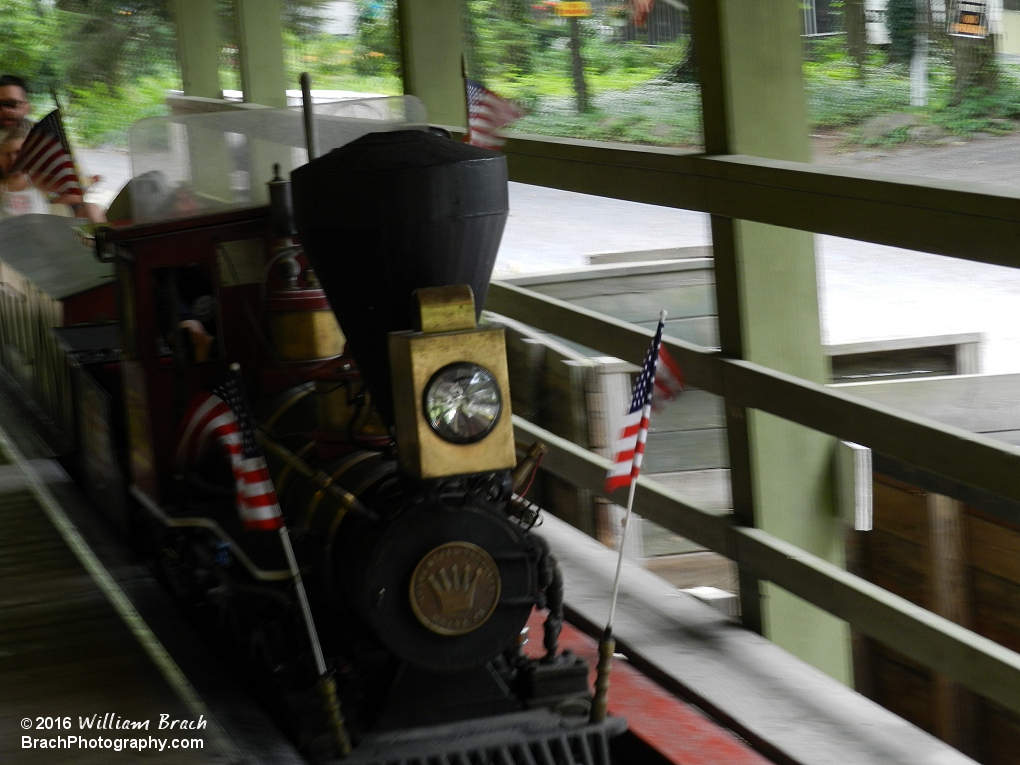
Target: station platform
(92, 647)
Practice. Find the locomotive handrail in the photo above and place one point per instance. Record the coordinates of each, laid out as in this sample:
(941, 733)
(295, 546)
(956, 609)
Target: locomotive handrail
(976, 662)
(201, 522)
(968, 457)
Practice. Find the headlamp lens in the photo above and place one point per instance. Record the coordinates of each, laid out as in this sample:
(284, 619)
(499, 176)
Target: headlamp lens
(463, 403)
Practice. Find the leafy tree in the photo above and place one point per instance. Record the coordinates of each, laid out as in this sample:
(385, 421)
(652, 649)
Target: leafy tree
(378, 46)
(505, 39)
(28, 30)
(115, 41)
(901, 21)
(303, 17)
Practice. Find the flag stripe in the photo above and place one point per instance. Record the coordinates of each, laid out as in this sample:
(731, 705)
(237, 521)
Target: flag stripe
(46, 158)
(487, 113)
(629, 447)
(222, 415)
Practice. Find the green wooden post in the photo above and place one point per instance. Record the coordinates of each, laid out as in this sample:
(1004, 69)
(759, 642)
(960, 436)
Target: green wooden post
(753, 99)
(198, 51)
(260, 43)
(431, 45)
(259, 26)
(198, 47)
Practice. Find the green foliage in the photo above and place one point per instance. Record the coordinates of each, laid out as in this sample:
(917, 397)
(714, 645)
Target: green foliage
(103, 115)
(377, 50)
(982, 111)
(837, 99)
(28, 32)
(901, 21)
(303, 18)
(333, 64)
(892, 138)
(650, 113)
(113, 41)
(505, 38)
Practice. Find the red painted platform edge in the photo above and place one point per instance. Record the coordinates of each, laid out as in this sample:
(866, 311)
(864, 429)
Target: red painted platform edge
(677, 730)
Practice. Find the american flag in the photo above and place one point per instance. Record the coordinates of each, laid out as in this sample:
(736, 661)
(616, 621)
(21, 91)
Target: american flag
(487, 113)
(222, 414)
(46, 157)
(669, 380)
(629, 447)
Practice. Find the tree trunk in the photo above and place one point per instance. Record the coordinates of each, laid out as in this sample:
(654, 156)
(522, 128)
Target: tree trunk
(856, 34)
(974, 62)
(577, 66)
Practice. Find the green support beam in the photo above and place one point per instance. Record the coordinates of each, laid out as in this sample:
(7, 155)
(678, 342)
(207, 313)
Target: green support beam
(975, 661)
(977, 222)
(431, 47)
(198, 47)
(260, 44)
(753, 103)
(946, 450)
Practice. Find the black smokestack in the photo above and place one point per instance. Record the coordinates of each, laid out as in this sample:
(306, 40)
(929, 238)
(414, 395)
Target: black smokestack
(390, 213)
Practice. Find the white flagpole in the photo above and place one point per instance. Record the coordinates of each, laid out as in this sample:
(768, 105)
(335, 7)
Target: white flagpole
(607, 645)
(619, 559)
(325, 684)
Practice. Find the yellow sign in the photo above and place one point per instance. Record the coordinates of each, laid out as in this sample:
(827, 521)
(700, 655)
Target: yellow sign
(575, 9)
(971, 20)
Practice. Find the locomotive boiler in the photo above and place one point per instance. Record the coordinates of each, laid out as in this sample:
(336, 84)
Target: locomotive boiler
(382, 407)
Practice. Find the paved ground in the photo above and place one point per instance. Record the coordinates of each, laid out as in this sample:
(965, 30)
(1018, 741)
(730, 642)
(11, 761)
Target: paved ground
(866, 291)
(870, 292)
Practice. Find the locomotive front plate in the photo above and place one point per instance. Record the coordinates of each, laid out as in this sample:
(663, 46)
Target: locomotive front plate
(455, 588)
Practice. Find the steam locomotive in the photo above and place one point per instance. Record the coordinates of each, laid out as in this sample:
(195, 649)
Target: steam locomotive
(382, 409)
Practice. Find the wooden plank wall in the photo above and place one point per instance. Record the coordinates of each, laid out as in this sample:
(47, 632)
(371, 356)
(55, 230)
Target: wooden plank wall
(688, 436)
(961, 564)
(637, 292)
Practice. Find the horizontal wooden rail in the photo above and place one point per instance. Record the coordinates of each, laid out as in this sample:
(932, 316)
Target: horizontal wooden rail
(965, 220)
(968, 457)
(974, 661)
(580, 467)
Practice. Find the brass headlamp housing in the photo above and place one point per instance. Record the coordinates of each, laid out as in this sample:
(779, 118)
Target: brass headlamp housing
(451, 350)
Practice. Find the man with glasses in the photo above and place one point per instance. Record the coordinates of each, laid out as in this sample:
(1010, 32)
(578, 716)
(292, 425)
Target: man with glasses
(14, 105)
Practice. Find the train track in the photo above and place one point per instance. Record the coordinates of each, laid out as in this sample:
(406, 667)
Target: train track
(89, 643)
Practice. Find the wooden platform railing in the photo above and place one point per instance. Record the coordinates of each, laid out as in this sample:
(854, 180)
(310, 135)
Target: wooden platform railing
(971, 659)
(30, 354)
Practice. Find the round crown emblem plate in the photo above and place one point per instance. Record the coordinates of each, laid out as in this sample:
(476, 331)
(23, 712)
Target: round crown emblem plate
(455, 588)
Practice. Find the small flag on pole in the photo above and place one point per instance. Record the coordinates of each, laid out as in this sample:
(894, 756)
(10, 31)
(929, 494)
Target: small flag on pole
(46, 158)
(629, 447)
(222, 414)
(487, 113)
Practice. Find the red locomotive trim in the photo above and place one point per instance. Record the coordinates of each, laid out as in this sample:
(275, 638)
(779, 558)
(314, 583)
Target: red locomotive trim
(298, 300)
